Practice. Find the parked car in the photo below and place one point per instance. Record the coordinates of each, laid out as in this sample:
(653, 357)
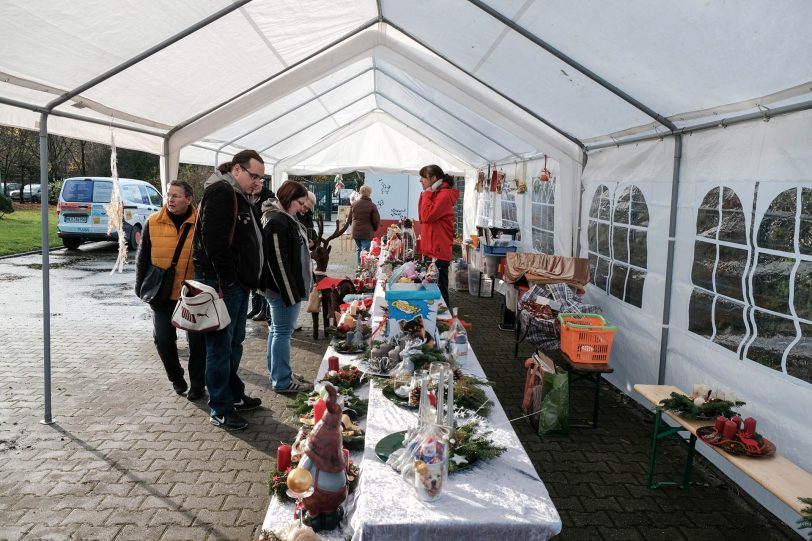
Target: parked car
(7, 187)
(81, 215)
(31, 193)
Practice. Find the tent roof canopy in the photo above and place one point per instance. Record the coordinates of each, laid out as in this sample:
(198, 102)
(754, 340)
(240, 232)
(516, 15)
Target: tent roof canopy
(482, 81)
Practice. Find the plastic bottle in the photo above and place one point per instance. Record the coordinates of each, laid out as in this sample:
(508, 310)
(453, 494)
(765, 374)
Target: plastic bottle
(457, 344)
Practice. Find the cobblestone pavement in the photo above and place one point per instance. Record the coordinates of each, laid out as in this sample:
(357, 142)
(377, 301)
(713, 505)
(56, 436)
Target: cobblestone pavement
(127, 458)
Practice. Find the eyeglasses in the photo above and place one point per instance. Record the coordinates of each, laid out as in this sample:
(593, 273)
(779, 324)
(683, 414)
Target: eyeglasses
(254, 176)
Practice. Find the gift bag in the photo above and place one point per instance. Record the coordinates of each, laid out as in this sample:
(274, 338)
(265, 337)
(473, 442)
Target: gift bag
(534, 387)
(554, 413)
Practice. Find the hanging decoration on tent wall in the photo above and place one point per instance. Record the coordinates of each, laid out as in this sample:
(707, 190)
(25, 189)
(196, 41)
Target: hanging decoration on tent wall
(115, 210)
(521, 183)
(480, 181)
(545, 173)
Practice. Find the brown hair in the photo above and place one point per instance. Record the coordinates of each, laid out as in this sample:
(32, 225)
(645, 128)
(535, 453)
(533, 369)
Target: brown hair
(289, 191)
(241, 158)
(432, 170)
(187, 188)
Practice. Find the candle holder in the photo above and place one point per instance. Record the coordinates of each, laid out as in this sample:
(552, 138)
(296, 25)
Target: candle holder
(299, 509)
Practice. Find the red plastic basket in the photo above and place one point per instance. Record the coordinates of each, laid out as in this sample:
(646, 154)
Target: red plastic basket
(586, 338)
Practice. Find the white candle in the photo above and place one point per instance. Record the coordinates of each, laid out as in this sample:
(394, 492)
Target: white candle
(440, 394)
(450, 405)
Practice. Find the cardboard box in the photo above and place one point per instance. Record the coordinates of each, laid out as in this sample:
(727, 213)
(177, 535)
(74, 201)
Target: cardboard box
(409, 301)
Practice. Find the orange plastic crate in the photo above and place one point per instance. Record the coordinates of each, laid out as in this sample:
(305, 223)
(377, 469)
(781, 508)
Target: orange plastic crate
(586, 338)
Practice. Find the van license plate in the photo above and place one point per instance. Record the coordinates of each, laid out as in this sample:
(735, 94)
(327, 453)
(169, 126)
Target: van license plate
(76, 219)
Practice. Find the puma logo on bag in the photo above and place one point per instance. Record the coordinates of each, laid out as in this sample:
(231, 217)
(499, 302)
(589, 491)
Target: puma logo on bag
(187, 315)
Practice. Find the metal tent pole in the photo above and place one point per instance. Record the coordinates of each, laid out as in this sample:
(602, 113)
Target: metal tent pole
(46, 286)
(669, 268)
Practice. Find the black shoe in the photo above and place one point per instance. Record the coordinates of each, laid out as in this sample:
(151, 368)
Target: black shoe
(180, 386)
(247, 403)
(195, 394)
(229, 421)
(262, 315)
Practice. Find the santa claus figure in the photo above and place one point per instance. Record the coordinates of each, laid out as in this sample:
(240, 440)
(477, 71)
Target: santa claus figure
(324, 459)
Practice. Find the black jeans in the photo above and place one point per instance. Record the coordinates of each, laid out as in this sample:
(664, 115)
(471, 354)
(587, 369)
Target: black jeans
(166, 342)
(442, 280)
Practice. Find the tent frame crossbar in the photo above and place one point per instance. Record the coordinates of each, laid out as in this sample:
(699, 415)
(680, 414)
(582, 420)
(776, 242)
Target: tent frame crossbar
(345, 37)
(423, 120)
(446, 111)
(321, 119)
(625, 96)
(146, 54)
(723, 123)
(501, 94)
(290, 110)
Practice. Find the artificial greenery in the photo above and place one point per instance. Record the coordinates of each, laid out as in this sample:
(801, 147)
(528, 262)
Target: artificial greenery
(806, 516)
(468, 394)
(472, 444)
(684, 407)
(342, 335)
(347, 377)
(342, 346)
(355, 407)
(278, 483)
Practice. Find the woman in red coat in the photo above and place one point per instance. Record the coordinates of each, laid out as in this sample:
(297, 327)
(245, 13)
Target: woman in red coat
(436, 213)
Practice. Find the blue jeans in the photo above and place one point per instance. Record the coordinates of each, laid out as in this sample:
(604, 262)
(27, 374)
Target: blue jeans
(283, 319)
(224, 350)
(360, 246)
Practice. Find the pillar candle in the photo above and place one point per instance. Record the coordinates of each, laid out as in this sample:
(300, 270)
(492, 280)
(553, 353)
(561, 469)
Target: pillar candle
(738, 420)
(332, 363)
(750, 425)
(318, 410)
(720, 424)
(346, 453)
(730, 430)
(283, 457)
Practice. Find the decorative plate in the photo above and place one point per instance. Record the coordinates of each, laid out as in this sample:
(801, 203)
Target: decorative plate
(364, 367)
(389, 393)
(389, 444)
(709, 435)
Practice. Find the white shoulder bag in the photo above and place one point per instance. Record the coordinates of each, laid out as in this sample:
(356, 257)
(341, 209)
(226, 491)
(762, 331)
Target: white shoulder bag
(200, 308)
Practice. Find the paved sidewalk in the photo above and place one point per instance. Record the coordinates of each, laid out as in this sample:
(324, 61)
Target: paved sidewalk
(126, 458)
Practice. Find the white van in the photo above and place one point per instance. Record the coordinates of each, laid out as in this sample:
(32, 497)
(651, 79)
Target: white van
(81, 215)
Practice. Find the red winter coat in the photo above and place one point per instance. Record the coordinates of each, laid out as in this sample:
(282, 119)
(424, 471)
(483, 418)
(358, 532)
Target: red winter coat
(436, 214)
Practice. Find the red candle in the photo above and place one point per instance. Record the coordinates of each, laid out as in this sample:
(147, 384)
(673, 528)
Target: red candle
(332, 363)
(720, 424)
(346, 453)
(283, 457)
(730, 430)
(750, 425)
(738, 420)
(318, 410)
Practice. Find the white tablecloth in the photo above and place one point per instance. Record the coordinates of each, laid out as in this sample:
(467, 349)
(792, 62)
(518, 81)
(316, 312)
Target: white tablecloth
(501, 498)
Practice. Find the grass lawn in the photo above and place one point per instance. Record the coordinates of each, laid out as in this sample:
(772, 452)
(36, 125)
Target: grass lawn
(21, 231)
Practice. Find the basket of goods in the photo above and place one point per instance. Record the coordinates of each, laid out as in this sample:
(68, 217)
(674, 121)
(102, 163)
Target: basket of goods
(586, 338)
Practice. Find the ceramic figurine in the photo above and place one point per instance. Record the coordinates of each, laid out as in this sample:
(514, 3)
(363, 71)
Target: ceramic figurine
(325, 461)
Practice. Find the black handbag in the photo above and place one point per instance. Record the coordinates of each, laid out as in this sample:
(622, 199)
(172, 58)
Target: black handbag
(157, 285)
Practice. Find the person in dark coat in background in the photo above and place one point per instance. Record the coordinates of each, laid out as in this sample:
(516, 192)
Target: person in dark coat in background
(365, 221)
(228, 256)
(161, 237)
(260, 311)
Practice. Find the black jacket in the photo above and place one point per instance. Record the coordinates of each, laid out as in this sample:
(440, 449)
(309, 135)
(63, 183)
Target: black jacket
(242, 261)
(282, 241)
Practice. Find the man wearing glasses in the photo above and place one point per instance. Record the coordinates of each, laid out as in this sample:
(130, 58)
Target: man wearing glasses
(228, 255)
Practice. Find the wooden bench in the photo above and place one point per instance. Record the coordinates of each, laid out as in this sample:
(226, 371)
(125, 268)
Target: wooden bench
(577, 372)
(784, 479)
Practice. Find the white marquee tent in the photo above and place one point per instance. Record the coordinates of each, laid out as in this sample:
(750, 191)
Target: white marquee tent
(679, 135)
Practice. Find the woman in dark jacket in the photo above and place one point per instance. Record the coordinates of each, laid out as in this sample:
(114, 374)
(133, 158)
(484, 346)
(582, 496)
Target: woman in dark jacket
(286, 280)
(365, 221)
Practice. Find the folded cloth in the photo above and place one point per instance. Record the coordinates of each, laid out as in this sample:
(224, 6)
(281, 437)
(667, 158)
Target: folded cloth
(545, 269)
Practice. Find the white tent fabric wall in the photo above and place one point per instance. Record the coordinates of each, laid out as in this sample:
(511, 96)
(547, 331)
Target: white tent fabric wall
(778, 156)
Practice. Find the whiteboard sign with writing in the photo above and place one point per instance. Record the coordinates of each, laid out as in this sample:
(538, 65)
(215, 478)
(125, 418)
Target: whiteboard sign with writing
(396, 195)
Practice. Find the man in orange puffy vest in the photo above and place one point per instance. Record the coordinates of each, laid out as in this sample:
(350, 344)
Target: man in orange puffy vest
(161, 236)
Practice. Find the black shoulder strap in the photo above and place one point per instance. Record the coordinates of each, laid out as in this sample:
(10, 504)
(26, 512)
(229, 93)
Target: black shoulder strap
(179, 247)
